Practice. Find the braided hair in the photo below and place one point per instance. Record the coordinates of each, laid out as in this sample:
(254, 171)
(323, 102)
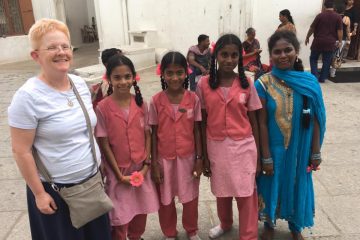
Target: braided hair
(120, 60)
(220, 44)
(173, 58)
(291, 38)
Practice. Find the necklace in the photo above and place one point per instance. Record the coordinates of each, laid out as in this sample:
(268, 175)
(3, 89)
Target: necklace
(69, 102)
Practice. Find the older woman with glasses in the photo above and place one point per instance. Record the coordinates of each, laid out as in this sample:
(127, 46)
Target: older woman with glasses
(45, 115)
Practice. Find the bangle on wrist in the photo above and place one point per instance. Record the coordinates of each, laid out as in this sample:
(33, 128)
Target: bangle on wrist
(267, 160)
(316, 156)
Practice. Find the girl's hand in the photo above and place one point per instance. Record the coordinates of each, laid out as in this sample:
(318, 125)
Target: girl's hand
(156, 174)
(268, 169)
(125, 180)
(206, 167)
(144, 170)
(315, 163)
(198, 168)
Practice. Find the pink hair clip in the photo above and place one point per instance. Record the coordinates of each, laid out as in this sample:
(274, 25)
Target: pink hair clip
(136, 179)
(137, 78)
(212, 47)
(158, 69)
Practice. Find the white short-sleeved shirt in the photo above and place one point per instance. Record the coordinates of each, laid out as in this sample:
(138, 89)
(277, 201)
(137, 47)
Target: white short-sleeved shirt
(61, 138)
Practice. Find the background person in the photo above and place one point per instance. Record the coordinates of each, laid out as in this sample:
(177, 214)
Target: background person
(199, 59)
(251, 57)
(327, 28)
(287, 22)
(352, 13)
(99, 90)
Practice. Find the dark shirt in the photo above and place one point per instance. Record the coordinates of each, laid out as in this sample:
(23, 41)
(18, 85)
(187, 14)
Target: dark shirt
(325, 27)
(344, 27)
(250, 47)
(202, 58)
(353, 15)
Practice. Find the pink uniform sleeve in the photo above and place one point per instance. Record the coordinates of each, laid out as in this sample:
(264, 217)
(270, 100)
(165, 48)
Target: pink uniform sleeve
(254, 102)
(100, 129)
(197, 110)
(146, 116)
(153, 117)
(199, 94)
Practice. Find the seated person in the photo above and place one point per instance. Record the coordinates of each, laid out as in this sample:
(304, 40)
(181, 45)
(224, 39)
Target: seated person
(251, 54)
(199, 59)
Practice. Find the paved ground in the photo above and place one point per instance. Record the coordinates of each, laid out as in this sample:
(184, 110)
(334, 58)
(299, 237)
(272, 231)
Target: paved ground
(337, 183)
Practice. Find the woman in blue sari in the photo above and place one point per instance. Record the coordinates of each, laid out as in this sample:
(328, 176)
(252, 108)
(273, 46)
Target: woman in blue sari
(292, 126)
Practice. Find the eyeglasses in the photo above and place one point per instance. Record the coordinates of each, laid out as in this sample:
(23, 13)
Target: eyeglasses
(57, 48)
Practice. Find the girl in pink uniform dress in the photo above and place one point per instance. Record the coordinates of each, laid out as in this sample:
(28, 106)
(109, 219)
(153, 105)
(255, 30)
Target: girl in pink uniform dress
(175, 116)
(124, 137)
(230, 137)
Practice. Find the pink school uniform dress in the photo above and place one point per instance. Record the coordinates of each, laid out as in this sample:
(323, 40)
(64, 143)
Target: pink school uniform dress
(232, 151)
(121, 126)
(177, 166)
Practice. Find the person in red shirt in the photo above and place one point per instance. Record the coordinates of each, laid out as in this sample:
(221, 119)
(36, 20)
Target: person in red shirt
(175, 117)
(124, 137)
(230, 137)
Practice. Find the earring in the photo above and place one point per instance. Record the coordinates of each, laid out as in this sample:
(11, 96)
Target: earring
(297, 59)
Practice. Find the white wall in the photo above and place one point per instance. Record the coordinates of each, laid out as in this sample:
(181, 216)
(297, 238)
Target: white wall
(14, 49)
(17, 48)
(110, 17)
(76, 17)
(91, 10)
(266, 20)
(178, 23)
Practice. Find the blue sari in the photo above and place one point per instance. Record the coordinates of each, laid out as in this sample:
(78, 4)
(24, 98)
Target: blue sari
(289, 193)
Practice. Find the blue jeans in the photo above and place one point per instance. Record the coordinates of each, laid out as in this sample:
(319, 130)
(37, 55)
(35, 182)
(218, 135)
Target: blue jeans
(195, 72)
(327, 57)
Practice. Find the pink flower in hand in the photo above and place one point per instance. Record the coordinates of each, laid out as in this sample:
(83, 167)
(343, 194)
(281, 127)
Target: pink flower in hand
(312, 168)
(137, 78)
(136, 179)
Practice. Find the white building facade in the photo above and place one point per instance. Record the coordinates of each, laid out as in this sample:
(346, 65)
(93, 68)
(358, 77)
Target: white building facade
(166, 24)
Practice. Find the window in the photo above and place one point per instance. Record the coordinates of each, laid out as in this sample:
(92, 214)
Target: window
(16, 17)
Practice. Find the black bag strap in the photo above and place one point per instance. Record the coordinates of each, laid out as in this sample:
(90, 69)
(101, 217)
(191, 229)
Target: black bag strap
(41, 167)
